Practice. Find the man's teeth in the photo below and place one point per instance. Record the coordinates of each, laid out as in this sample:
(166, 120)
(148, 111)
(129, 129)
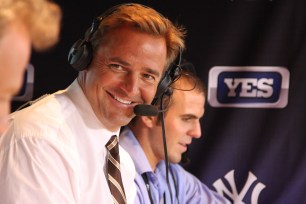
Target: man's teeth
(122, 101)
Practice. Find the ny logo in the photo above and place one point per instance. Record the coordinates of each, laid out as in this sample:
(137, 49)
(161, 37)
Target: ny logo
(233, 194)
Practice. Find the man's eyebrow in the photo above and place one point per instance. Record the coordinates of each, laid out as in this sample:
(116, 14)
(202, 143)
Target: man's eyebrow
(190, 116)
(149, 70)
(152, 71)
(117, 59)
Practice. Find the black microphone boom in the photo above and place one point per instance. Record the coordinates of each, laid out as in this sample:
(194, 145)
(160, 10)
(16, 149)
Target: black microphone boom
(145, 110)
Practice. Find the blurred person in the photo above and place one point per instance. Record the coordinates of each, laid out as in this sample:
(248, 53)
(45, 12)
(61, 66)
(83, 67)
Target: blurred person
(55, 150)
(143, 139)
(23, 24)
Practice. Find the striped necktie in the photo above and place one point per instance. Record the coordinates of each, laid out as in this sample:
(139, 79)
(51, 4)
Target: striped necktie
(113, 171)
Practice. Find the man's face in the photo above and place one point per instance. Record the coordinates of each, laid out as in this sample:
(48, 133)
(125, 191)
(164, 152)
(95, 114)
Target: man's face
(15, 49)
(125, 72)
(182, 124)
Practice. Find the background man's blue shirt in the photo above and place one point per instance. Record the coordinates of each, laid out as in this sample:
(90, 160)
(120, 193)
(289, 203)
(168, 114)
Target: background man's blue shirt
(185, 189)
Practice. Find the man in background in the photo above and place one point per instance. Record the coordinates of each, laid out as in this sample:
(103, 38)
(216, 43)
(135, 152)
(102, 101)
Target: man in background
(143, 140)
(23, 24)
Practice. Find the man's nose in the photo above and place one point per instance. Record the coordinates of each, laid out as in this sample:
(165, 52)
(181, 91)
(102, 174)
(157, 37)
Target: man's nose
(131, 84)
(195, 132)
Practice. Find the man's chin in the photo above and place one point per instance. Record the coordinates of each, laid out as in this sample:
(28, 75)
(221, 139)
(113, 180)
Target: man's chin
(124, 120)
(175, 160)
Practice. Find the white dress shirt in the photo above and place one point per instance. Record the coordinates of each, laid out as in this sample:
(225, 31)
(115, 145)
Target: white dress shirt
(54, 152)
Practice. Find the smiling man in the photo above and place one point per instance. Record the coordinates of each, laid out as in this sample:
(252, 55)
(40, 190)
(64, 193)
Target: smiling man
(124, 73)
(144, 141)
(55, 150)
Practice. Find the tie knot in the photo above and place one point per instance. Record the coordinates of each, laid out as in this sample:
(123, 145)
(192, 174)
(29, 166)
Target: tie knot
(112, 144)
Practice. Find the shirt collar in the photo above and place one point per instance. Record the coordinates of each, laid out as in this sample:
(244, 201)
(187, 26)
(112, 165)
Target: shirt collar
(82, 104)
(129, 142)
(97, 132)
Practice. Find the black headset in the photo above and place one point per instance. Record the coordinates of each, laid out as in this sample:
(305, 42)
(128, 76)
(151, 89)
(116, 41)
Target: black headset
(169, 76)
(81, 54)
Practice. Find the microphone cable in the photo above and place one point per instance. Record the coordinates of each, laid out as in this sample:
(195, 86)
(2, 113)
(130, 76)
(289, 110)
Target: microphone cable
(165, 147)
(150, 110)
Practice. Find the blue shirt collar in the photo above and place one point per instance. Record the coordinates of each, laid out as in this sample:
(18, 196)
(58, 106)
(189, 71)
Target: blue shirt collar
(129, 142)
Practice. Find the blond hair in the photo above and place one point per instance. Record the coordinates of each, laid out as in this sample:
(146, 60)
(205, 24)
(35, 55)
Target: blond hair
(41, 17)
(144, 19)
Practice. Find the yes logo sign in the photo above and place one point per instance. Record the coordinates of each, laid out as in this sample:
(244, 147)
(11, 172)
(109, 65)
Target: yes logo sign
(233, 193)
(254, 87)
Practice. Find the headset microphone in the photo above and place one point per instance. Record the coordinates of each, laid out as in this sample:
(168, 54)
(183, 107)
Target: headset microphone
(146, 110)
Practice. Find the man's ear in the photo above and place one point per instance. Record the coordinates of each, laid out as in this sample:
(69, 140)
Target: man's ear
(149, 121)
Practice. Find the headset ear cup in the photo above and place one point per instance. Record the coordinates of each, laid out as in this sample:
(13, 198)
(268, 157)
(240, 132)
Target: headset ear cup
(162, 87)
(80, 55)
(165, 83)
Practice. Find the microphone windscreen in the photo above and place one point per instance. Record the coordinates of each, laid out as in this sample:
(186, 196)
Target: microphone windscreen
(145, 110)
